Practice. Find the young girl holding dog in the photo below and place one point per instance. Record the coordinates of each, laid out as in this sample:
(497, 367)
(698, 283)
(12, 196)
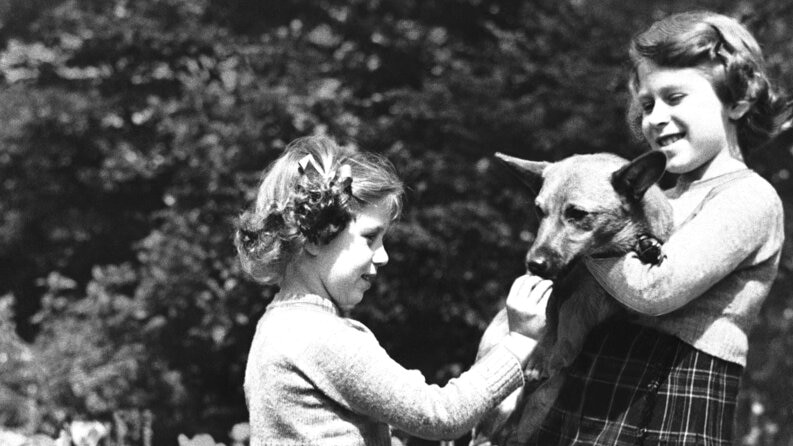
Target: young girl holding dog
(700, 95)
(313, 375)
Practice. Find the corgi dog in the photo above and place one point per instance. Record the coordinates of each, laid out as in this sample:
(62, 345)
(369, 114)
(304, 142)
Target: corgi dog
(596, 205)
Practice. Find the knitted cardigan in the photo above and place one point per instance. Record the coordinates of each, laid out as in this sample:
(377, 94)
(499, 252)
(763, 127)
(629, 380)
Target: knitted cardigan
(314, 377)
(721, 262)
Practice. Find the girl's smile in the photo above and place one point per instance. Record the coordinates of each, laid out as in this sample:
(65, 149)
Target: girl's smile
(669, 139)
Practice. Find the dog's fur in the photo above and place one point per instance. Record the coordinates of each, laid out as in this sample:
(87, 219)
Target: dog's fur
(587, 205)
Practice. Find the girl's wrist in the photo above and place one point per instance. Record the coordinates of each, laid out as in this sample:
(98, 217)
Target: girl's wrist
(520, 346)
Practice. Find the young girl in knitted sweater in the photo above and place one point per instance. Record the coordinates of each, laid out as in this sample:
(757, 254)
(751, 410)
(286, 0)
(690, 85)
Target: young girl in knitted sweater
(313, 375)
(671, 375)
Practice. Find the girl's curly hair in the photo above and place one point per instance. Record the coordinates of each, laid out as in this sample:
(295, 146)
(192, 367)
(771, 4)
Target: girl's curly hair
(727, 54)
(309, 195)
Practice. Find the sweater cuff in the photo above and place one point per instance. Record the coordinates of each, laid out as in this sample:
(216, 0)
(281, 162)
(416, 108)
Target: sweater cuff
(501, 371)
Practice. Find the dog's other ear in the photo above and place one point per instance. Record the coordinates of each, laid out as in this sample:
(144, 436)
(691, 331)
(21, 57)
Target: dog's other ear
(633, 179)
(529, 172)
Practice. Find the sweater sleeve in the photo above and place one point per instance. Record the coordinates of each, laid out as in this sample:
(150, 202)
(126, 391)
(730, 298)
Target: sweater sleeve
(354, 370)
(741, 224)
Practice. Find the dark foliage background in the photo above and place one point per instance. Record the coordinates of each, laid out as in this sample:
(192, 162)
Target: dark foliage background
(133, 133)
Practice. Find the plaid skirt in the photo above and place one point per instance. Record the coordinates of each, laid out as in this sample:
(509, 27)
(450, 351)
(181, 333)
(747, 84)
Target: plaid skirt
(633, 385)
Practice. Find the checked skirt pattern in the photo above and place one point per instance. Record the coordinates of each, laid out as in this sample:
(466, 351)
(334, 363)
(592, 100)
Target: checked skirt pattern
(632, 385)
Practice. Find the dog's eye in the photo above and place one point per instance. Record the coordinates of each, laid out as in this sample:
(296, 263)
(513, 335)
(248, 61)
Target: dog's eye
(575, 214)
(538, 210)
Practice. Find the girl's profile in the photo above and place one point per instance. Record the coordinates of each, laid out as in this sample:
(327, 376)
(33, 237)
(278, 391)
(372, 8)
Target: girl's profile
(671, 373)
(315, 376)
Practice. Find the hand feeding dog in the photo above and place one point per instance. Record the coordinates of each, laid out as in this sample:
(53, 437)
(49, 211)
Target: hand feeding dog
(594, 205)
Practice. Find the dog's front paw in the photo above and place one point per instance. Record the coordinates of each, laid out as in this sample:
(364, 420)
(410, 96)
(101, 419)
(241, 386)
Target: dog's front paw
(561, 356)
(532, 374)
(536, 362)
(534, 366)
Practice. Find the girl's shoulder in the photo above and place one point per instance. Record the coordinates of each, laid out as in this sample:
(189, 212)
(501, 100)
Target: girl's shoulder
(743, 187)
(742, 197)
(317, 322)
(749, 188)
(749, 178)
(296, 331)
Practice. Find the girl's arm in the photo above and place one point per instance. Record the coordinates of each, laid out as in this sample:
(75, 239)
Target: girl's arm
(739, 224)
(358, 374)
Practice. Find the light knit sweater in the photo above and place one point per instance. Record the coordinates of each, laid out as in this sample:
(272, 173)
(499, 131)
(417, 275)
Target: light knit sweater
(721, 262)
(314, 377)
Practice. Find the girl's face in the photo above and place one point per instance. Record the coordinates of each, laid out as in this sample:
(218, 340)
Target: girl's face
(683, 117)
(347, 265)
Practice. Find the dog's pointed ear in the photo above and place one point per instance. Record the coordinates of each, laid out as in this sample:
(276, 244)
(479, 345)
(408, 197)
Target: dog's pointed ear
(529, 172)
(633, 179)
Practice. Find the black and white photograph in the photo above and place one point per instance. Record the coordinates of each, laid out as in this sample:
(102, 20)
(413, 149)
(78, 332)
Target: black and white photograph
(396, 223)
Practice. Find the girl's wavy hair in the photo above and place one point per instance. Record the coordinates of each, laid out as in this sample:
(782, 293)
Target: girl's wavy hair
(727, 54)
(310, 194)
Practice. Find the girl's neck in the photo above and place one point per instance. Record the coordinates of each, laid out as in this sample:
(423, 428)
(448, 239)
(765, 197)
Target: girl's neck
(729, 159)
(300, 279)
(293, 287)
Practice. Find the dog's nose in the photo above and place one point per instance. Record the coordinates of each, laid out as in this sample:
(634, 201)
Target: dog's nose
(538, 267)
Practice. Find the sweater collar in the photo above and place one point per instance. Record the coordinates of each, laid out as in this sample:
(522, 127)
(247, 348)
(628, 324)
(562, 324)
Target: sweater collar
(683, 186)
(314, 300)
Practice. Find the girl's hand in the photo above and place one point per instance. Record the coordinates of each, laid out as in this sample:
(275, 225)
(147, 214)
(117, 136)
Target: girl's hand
(526, 304)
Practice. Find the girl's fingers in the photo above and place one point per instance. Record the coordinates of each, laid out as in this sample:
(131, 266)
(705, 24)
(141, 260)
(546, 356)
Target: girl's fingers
(542, 291)
(526, 305)
(529, 291)
(522, 286)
